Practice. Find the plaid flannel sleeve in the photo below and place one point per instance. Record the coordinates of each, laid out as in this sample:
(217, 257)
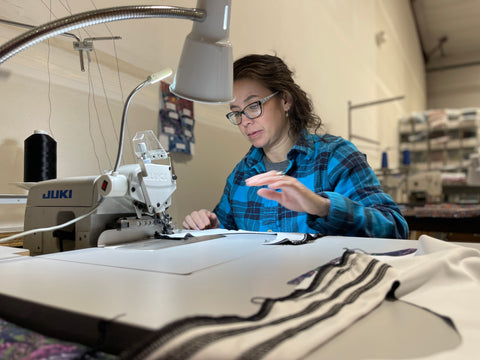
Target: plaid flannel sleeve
(359, 206)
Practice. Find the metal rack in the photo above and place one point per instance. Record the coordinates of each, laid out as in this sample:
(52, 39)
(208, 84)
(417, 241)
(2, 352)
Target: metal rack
(444, 145)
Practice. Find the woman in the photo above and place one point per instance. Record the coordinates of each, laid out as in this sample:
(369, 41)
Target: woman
(292, 180)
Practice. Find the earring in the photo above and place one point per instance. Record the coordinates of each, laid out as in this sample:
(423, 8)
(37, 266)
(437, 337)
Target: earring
(286, 114)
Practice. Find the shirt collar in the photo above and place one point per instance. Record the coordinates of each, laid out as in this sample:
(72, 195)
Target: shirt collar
(305, 144)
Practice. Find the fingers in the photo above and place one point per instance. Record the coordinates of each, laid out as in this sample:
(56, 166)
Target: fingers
(293, 195)
(200, 220)
(265, 178)
(197, 220)
(189, 224)
(274, 180)
(270, 194)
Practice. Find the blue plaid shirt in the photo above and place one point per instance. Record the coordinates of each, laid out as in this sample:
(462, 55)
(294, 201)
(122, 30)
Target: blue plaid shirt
(331, 167)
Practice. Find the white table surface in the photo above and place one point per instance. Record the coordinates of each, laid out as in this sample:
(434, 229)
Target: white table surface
(151, 288)
(7, 252)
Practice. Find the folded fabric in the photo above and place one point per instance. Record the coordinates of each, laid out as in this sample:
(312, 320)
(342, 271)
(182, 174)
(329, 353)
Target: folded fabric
(283, 328)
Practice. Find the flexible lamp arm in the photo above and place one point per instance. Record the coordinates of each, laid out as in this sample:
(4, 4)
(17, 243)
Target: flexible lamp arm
(205, 69)
(94, 17)
(124, 120)
(152, 79)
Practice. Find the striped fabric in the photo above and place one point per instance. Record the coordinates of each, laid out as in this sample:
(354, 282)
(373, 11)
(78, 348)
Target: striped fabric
(283, 328)
(329, 166)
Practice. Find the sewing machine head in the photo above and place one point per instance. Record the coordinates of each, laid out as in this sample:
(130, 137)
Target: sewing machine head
(127, 205)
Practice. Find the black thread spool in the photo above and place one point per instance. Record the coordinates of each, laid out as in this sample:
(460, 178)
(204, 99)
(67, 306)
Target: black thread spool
(40, 157)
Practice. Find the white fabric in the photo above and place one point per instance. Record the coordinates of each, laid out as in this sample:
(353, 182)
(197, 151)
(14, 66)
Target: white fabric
(444, 278)
(440, 276)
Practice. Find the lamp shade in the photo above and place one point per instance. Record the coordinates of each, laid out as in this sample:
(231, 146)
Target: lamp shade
(205, 70)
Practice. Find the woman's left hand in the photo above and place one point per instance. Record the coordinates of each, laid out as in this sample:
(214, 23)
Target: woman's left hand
(293, 195)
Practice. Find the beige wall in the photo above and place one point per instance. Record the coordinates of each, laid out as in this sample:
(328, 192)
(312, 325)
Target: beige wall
(330, 44)
(454, 89)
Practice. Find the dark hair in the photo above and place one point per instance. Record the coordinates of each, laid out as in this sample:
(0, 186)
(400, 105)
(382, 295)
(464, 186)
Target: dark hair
(275, 75)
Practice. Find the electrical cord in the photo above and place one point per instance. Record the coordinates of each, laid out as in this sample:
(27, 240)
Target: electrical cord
(52, 228)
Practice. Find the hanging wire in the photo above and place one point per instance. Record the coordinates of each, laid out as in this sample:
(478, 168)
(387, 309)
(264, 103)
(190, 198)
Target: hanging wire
(127, 126)
(91, 94)
(119, 84)
(67, 7)
(91, 88)
(106, 97)
(99, 123)
(49, 92)
(109, 107)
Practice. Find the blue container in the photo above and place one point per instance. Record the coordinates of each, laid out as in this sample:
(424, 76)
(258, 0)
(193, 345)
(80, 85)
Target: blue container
(384, 160)
(406, 157)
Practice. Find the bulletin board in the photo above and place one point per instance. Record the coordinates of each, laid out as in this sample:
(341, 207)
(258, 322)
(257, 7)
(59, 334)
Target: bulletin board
(176, 122)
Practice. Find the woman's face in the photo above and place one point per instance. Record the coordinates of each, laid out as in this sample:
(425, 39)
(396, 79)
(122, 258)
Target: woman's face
(271, 128)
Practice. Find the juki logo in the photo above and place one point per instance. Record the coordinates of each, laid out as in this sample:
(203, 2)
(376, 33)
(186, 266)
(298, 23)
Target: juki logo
(57, 194)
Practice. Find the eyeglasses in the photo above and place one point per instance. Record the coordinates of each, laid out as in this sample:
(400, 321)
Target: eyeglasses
(251, 111)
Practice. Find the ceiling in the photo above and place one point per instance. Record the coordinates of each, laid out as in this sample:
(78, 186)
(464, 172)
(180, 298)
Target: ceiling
(449, 32)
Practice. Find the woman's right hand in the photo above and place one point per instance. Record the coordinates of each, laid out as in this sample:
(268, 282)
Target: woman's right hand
(201, 220)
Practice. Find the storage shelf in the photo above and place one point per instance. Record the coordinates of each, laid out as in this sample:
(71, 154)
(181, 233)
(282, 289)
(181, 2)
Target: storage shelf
(440, 139)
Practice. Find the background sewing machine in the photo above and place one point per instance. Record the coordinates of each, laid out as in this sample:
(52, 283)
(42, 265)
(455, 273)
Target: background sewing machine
(127, 205)
(424, 187)
(420, 187)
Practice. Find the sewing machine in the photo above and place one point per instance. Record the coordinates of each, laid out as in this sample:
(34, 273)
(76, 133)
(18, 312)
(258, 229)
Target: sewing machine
(419, 187)
(127, 205)
(425, 186)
